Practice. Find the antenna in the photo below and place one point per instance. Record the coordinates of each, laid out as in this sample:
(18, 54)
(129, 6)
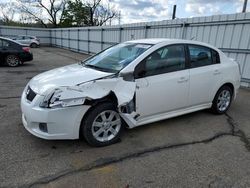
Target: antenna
(119, 18)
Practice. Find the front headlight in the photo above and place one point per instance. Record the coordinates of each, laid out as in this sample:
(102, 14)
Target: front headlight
(51, 99)
(63, 97)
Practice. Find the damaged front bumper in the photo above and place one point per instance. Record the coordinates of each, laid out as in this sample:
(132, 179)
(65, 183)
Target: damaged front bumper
(58, 113)
(48, 123)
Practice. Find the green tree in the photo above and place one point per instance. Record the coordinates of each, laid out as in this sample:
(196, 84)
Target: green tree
(92, 13)
(75, 14)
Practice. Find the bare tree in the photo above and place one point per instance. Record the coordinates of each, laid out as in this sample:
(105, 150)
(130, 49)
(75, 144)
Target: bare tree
(49, 13)
(7, 12)
(100, 13)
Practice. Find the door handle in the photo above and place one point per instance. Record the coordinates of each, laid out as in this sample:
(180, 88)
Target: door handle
(182, 79)
(216, 72)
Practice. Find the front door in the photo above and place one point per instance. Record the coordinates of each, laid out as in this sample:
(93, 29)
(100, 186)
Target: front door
(162, 81)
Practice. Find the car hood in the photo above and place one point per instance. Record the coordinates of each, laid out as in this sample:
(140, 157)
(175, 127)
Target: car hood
(65, 76)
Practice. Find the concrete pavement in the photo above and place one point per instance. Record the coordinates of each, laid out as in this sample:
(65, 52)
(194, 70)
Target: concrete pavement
(194, 150)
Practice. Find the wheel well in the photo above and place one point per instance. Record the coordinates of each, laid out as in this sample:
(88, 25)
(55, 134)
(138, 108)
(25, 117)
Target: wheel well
(226, 84)
(229, 85)
(33, 43)
(9, 54)
(111, 97)
(5, 57)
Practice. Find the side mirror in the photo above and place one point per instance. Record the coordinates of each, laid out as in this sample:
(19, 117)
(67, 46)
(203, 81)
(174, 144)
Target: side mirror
(140, 70)
(127, 76)
(140, 74)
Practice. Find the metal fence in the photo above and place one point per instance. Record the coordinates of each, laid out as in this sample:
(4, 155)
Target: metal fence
(230, 33)
(43, 34)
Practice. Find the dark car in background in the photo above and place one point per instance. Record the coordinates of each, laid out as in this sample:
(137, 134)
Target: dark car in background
(13, 53)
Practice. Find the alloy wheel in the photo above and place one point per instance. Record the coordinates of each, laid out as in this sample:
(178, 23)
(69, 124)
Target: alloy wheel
(106, 126)
(224, 100)
(13, 61)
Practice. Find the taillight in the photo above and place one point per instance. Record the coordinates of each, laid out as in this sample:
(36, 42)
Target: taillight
(26, 49)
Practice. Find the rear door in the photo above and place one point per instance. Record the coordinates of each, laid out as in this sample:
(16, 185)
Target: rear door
(26, 40)
(1, 51)
(4, 49)
(204, 74)
(21, 39)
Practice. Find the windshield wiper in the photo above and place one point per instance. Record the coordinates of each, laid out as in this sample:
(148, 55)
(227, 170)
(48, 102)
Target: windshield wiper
(98, 68)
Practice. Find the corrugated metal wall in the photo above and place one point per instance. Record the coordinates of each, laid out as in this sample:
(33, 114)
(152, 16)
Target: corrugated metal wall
(230, 33)
(43, 34)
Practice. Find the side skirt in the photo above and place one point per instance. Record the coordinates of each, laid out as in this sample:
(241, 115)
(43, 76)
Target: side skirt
(132, 122)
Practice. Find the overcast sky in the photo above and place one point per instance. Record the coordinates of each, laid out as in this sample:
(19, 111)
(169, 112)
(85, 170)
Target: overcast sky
(152, 10)
(156, 10)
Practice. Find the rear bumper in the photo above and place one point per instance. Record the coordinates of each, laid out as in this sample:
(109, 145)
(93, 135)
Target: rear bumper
(26, 57)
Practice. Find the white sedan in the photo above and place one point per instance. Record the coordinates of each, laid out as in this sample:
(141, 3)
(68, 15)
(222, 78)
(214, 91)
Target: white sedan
(130, 84)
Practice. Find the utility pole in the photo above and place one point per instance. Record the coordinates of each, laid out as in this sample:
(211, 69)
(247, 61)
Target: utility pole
(244, 6)
(119, 18)
(174, 12)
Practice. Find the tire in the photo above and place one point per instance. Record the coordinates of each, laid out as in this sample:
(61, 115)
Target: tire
(33, 45)
(97, 128)
(13, 61)
(222, 100)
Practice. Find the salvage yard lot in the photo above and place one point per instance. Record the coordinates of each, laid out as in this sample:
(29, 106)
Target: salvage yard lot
(194, 150)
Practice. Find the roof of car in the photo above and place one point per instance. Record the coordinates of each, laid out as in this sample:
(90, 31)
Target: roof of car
(4, 38)
(170, 41)
(8, 39)
(150, 40)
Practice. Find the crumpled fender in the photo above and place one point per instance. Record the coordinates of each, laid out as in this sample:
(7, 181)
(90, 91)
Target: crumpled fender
(97, 89)
(76, 95)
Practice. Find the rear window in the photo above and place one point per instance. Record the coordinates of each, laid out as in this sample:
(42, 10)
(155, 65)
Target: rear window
(4, 43)
(202, 56)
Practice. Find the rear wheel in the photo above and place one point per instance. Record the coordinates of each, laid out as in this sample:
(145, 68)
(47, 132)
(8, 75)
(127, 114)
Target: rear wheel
(222, 100)
(13, 61)
(102, 126)
(33, 45)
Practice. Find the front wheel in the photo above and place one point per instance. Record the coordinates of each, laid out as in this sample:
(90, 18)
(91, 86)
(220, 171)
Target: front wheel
(102, 126)
(222, 100)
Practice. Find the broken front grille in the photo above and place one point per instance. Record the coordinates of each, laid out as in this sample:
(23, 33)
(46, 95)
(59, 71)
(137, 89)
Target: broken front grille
(30, 94)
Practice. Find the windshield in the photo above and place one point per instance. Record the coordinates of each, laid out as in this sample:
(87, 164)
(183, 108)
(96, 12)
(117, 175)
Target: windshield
(117, 57)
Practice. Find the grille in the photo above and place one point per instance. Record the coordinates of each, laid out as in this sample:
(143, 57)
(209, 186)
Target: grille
(30, 94)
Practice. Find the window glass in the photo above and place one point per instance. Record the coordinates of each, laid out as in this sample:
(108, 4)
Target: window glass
(5, 43)
(167, 59)
(117, 57)
(215, 57)
(199, 56)
(19, 38)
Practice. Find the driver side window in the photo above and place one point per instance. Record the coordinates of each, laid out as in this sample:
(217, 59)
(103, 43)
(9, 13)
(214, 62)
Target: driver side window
(167, 59)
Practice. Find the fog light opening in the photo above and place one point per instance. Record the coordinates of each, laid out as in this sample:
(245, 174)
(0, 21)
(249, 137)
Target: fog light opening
(43, 127)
